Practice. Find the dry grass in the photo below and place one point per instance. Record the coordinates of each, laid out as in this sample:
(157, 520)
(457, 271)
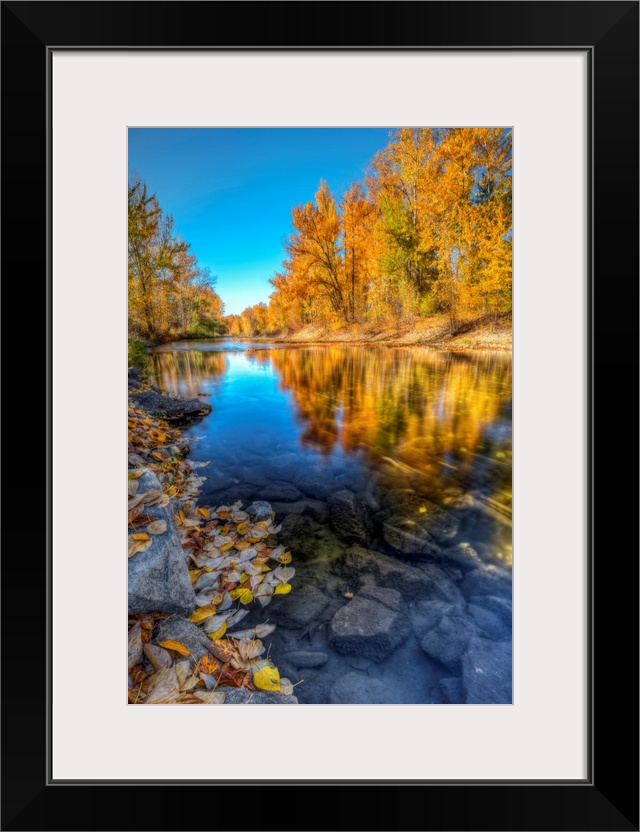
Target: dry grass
(435, 331)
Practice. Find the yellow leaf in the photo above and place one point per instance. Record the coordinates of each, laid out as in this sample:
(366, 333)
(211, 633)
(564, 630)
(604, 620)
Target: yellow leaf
(282, 589)
(157, 527)
(194, 574)
(244, 595)
(203, 613)
(267, 678)
(219, 632)
(204, 512)
(178, 646)
(241, 545)
(140, 536)
(285, 557)
(243, 528)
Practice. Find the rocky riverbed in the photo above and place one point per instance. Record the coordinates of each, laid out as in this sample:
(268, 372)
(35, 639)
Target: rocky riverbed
(390, 601)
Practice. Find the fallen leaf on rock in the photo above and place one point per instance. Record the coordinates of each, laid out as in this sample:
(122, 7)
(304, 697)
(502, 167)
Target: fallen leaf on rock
(133, 486)
(157, 527)
(178, 646)
(136, 546)
(158, 657)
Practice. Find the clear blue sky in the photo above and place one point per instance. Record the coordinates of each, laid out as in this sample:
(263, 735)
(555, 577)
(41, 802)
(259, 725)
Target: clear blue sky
(230, 191)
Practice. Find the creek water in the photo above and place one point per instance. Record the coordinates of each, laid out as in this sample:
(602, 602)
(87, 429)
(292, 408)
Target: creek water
(422, 439)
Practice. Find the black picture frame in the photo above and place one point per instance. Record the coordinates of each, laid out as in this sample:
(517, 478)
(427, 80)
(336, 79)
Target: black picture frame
(608, 31)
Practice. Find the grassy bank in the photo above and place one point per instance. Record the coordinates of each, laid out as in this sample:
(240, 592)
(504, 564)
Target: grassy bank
(436, 331)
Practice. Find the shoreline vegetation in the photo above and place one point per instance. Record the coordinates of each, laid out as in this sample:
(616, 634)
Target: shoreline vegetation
(419, 252)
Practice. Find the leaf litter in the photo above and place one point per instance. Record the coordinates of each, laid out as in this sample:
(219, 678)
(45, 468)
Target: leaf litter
(234, 563)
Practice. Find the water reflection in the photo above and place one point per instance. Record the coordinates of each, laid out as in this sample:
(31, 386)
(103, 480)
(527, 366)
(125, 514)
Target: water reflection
(185, 372)
(372, 418)
(437, 423)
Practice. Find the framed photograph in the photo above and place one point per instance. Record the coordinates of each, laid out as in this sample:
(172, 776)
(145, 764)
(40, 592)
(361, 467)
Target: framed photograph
(499, 719)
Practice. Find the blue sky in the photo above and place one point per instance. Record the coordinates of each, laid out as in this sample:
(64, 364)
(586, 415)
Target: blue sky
(230, 191)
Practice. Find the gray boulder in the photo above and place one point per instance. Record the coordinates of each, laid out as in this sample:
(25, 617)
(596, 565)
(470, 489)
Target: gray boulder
(186, 632)
(260, 510)
(372, 625)
(448, 640)
(486, 672)
(357, 689)
(315, 509)
(241, 696)
(167, 407)
(350, 516)
(158, 577)
(314, 482)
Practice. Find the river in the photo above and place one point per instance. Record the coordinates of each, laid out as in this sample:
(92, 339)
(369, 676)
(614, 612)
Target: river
(415, 434)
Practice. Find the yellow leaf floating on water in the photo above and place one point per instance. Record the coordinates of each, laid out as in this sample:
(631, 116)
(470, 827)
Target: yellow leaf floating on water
(282, 589)
(178, 646)
(219, 632)
(267, 678)
(203, 613)
(157, 527)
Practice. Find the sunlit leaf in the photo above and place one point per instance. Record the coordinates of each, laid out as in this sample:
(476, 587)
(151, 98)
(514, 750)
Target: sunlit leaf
(217, 634)
(267, 678)
(178, 646)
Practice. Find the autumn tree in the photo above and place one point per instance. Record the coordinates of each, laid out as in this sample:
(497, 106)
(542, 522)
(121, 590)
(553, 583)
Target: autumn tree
(169, 294)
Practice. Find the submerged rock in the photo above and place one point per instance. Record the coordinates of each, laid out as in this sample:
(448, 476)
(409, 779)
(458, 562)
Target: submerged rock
(300, 608)
(372, 625)
(350, 516)
(260, 510)
(241, 696)
(414, 525)
(486, 672)
(452, 690)
(167, 407)
(280, 492)
(305, 658)
(158, 578)
(448, 640)
(357, 689)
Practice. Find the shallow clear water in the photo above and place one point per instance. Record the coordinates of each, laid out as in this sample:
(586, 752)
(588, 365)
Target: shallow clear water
(293, 424)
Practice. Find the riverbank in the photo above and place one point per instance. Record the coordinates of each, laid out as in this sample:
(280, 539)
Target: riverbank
(194, 571)
(436, 331)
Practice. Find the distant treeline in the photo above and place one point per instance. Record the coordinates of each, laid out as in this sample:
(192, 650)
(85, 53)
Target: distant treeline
(170, 296)
(428, 232)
